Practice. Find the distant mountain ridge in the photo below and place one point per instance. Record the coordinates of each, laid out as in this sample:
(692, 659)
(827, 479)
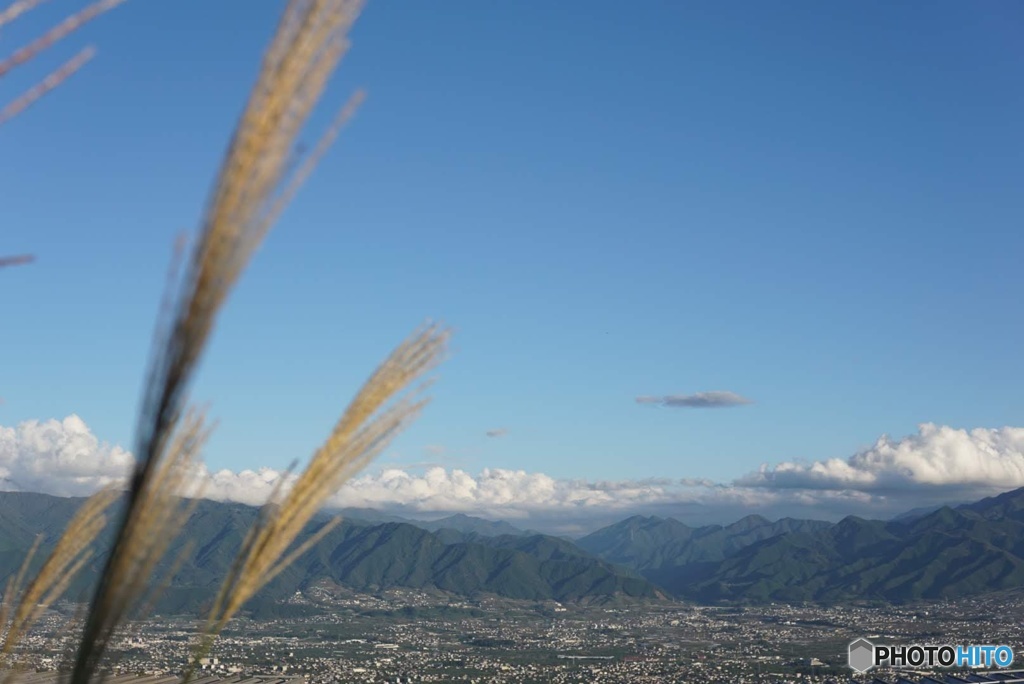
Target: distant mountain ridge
(946, 553)
(360, 555)
(460, 522)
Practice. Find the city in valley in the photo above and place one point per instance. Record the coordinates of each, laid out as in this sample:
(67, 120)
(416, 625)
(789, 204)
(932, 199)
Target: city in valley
(328, 634)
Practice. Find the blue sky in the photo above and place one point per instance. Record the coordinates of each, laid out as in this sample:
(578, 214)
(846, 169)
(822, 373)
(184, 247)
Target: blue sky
(815, 206)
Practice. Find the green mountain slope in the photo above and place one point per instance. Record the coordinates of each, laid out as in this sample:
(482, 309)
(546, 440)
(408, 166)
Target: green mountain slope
(946, 553)
(359, 555)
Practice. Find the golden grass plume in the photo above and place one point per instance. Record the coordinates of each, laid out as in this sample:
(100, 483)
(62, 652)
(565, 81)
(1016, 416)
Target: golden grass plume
(157, 510)
(248, 195)
(364, 429)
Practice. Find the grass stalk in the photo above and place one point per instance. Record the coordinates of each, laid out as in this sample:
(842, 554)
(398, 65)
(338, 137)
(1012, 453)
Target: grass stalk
(246, 198)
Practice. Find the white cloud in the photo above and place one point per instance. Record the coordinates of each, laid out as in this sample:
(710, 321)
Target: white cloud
(252, 487)
(937, 456)
(59, 457)
(937, 464)
(496, 492)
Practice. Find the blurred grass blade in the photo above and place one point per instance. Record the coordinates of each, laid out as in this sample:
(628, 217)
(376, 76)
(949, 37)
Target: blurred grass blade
(61, 566)
(16, 9)
(36, 92)
(57, 33)
(144, 535)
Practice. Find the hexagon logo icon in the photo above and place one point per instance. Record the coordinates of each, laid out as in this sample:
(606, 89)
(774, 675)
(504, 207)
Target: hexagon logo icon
(862, 655)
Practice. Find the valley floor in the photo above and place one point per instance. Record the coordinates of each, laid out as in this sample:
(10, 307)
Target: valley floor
(404, 636)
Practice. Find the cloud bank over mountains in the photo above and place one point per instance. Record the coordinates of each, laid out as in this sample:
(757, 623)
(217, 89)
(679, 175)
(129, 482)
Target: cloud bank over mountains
(937, 464)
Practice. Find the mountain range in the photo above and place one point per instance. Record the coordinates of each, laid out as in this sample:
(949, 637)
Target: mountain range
(361, 555)
(946, 553)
